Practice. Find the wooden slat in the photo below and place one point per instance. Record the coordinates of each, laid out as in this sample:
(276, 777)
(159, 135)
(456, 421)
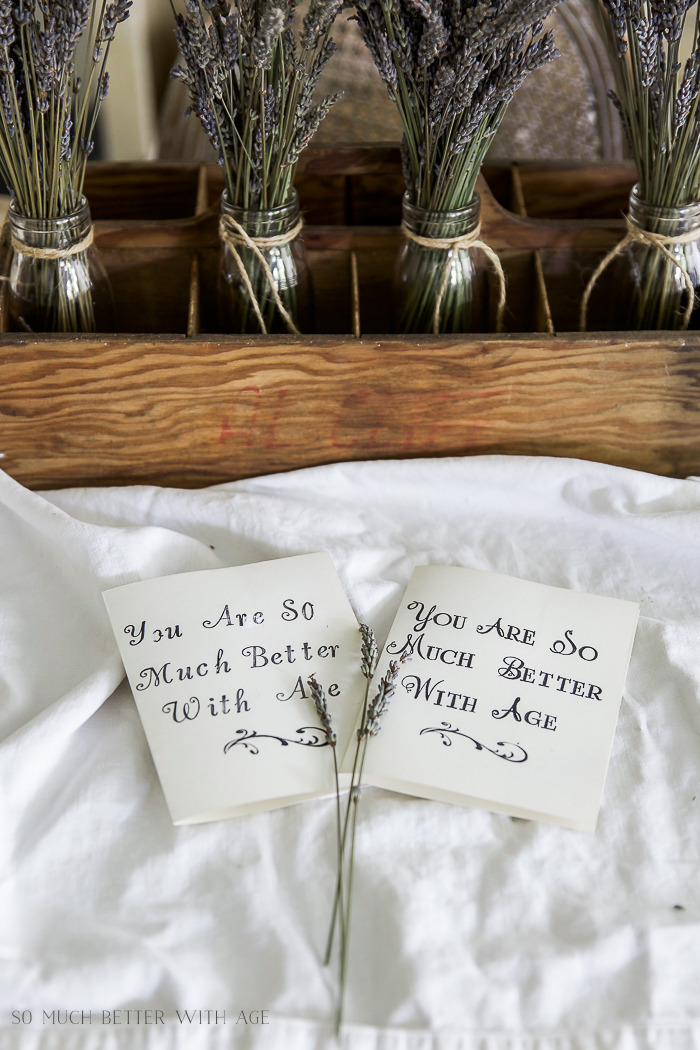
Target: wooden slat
(500, 227)
(355, 288)
(544, 312)
(159, 190)
(197, 411)
(193, 307)
(577, 191)
(375, 159)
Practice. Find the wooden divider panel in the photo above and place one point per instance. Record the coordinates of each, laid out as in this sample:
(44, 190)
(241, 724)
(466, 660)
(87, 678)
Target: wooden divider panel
(183, 405)
(195, 411)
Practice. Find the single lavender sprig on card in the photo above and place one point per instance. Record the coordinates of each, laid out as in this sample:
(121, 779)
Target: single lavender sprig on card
(369, 657)
(371, 724)
(321, 704)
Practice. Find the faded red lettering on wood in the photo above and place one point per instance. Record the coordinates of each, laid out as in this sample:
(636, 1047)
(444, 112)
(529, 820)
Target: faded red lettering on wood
(271, 441)
(246, 432)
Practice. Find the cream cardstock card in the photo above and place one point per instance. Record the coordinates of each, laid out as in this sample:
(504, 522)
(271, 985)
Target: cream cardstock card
(509, 701)
(511, 697)
(218, 662)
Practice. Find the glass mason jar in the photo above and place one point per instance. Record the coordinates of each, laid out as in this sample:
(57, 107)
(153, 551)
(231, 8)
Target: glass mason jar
(68, 293)
(287, 262)
(642, 289)
(420, 272)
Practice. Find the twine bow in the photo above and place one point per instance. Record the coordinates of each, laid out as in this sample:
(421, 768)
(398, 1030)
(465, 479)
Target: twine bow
(53, 253)
(233, 235)
(655, 240)
(457, 244)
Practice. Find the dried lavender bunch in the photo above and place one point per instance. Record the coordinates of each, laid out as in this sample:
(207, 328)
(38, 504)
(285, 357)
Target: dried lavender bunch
(657, 99)
(53, 79)
(48, 107)
(252, 87)
(370, 724)
(452, 68)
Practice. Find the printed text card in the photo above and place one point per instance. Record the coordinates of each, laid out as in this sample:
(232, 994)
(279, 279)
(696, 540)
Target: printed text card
(511, 696)
(218, 663)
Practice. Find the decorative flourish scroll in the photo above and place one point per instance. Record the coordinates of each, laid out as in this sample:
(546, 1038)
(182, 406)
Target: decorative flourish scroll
(318, 739)
(508, 752)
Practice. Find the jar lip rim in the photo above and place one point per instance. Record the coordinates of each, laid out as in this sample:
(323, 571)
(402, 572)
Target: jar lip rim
(290, 202)
(455, 213)
(671, 210)
(14, 213)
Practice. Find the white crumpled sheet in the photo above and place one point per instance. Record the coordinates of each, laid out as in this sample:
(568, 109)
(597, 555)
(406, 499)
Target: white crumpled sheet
(470, 931)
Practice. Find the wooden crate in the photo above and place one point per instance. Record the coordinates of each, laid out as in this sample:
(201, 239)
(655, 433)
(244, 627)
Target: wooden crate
(168, 400)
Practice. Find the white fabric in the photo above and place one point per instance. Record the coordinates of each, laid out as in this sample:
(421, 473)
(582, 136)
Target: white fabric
(471, 931)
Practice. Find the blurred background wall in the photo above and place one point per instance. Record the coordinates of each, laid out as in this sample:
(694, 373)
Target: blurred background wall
(141, 55)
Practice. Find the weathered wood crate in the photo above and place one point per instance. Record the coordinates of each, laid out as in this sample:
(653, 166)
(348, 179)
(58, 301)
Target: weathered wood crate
(168, 400)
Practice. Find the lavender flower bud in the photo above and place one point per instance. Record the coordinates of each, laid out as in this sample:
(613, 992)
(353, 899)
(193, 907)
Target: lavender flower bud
(369, 651)
(320, 17)
(230, 41)
(378, 707)
(319, 698)
(272, 22)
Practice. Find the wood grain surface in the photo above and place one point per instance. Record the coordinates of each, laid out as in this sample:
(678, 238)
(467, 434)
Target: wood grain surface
(188, 411)
(191, 412)
(576, 191)
(500, 227)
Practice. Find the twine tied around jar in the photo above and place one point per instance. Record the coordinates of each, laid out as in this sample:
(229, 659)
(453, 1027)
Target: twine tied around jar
(233, 235)
(457, 244)
(53, 253)
(654, 240)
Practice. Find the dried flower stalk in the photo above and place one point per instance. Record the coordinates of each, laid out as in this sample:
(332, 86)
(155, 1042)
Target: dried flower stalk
(50, 96)
(370, 723)
(321, 704)
(369, 658)
(252, 88)
(48, 108)
(452, 68)
(657, 99)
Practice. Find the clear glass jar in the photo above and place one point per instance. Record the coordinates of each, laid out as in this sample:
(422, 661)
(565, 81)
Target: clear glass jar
(288, 264)
(420, 271)
(67, 294)
(642, 289)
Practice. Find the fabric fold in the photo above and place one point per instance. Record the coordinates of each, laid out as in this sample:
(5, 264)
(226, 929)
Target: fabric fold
(471, 931)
